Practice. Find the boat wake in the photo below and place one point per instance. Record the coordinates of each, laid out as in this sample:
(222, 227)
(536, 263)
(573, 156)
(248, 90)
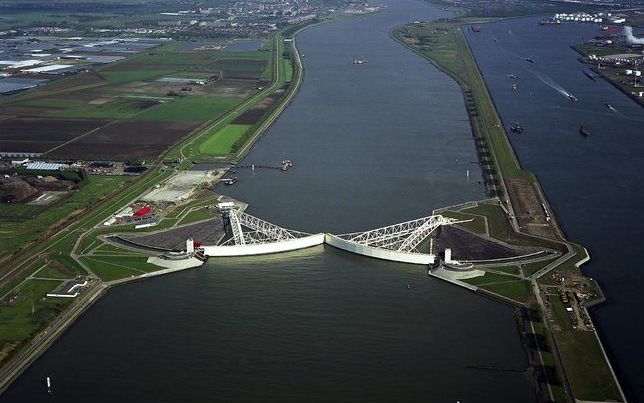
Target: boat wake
(552, 84)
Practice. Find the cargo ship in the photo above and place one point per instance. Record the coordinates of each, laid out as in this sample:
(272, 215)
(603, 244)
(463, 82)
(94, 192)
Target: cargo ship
(583, 131)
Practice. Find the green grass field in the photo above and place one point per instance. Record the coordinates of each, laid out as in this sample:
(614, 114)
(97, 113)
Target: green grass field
(114, 267)
(221, 142)
(588, 373)
(126, 76)
(531, 268)
(32, 311)
(288, 71)
(505, 269)
(508, 286)
(189, 108)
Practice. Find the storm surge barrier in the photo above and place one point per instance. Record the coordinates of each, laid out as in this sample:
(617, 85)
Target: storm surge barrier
(250, 235)
(398, 242)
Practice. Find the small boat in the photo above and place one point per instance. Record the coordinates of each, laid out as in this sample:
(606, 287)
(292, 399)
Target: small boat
(229, 181)
(572, 98)
(286, 164)
(359, 61)
(527, 59)
(609, 106)
(515, 127)
(583, 131)
(515, 86)
(476, 28)
(48, 381)
(511, 76)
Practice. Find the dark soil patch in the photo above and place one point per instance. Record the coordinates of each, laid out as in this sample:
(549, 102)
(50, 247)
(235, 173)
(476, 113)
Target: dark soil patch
(467, 246)
(41, 134)
(254, 114)
(127, 141)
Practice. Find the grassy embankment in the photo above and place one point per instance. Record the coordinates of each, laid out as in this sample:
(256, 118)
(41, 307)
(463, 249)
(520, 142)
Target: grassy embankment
(586, 369)
(444, 44)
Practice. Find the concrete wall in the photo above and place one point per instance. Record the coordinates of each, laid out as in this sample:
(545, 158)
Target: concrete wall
(404, 257)
(263, 249)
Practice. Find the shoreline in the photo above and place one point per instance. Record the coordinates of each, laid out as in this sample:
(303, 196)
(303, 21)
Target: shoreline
(522, 325)
(41, 342)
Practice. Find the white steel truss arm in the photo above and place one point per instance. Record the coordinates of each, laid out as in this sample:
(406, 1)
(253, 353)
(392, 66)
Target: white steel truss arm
(271, 231)
(235, 225)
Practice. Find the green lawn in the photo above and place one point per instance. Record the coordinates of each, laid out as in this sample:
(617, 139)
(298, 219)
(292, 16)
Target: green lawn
(110, 268)
(519, 290)
(190, 108)
(504, 285)
(221, 142)
(32, 311)
(505, 269)
(288, 70)
(588, 373)
(55, 269)
(196, 215)
(531, 268)
(489, 278)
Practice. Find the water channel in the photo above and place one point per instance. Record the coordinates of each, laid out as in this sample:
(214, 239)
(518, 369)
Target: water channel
(371, 145)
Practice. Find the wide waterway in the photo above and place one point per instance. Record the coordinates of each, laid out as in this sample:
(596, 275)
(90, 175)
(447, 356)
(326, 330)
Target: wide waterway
(372, 145)
(594, 184)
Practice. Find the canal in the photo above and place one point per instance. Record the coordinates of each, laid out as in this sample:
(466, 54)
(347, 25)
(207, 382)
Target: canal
(594, 184)
(371, 145)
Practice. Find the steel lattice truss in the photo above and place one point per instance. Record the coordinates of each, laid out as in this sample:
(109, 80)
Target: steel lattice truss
(403, 237)
(235, 225)
(260, 231)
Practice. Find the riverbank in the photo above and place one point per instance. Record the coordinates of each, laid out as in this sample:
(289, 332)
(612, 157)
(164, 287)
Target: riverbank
(614, 75)
(444, 44)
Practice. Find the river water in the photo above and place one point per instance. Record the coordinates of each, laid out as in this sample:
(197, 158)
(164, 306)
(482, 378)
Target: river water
(372, 145)
(594, 185)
